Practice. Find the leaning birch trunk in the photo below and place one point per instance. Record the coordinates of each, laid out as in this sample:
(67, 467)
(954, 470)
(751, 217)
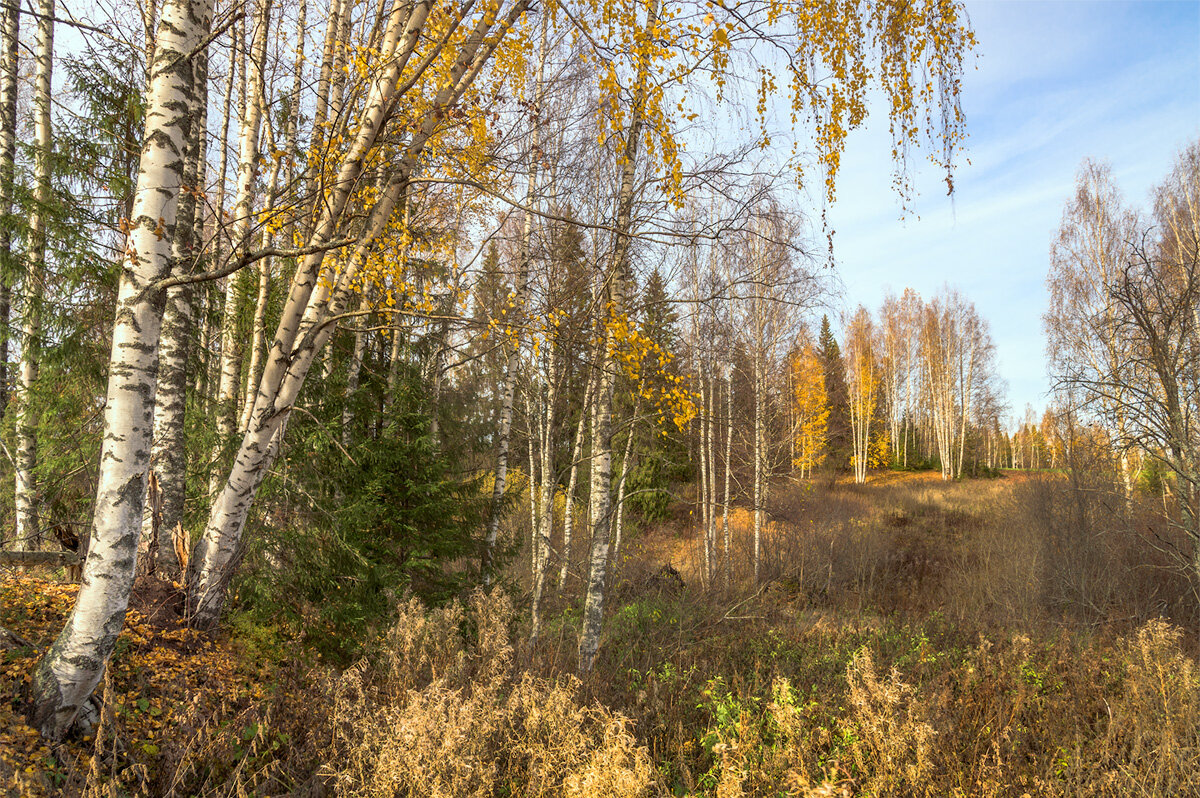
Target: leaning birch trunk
(65, 678)
(311, 302)
(601, 478)
(28, 533)
(168, 458)
(243, 223)
(9, 42)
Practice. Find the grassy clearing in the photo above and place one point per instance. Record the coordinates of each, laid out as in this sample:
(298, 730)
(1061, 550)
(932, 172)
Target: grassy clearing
(911, 638)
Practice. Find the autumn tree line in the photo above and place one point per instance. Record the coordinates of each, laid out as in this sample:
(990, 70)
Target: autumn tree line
(1123, 340)
(305, 303)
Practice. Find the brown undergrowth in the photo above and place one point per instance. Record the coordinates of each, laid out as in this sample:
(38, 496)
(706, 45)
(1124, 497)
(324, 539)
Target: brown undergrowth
(909, 638)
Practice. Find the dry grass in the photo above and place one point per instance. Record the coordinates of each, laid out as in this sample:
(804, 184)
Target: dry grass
(437, 715)
(913, 638)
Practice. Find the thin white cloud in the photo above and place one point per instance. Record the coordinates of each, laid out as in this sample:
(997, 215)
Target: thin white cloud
(1056, 82)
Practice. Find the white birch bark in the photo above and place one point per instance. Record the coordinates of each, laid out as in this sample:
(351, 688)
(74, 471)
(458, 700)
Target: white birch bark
(242, 232)
(760, 440)
(9, 42)
(576, 459)
(168, 458)
(711, 496)
(216, 249)
(65, 678)
(637, 409)
(601, 477)
(702, 451)
(258, 326)
(728, 475)
(549, 482)
(28, 531)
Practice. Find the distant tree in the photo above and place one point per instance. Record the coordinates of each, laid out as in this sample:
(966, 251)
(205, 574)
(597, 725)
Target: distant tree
(834, 370)
(862, 388)
(811, 403)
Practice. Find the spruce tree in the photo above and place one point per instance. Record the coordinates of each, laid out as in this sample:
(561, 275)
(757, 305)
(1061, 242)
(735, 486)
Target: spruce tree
(838, 431)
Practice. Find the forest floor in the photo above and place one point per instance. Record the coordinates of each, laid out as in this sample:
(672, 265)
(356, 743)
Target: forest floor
(905, 637)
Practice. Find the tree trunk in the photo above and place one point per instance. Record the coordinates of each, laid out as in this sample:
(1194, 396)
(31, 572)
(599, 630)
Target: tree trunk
(168, 458)
(510, 372)
(65, 678)
(637, 409)
(27, 501)
(569, 501)
(728, 470)
(760, 439)
(705, 477)
(601, 481)
(243, 224)
(9, 42)
(549, 482)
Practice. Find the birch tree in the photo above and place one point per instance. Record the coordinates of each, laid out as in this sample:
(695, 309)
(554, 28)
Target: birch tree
(315, 296)
(862, 387)
(27, 502)
(68, 673)
(10, 27)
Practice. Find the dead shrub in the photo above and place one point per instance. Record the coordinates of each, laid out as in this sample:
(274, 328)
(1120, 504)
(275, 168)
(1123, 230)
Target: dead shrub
(443, 713)
(1152, 744)
(891, 746)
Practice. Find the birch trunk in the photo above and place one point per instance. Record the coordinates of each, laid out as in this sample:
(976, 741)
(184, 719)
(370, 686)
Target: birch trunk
(711, 497)
(531, 482)
(65, 678)
(549, 481)
(217, 248)
(28, 532)
(10, 39)
(728, 470)
(637, 408)
(258, 334)
(760, 438)
(601, 478)
(243, 223)
(168, 458)
(705, 478)
(569, 501)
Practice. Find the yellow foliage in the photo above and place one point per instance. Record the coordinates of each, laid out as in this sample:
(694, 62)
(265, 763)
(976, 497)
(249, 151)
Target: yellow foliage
(812, 408)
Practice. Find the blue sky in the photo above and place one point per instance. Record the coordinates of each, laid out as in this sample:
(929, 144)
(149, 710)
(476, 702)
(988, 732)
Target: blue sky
(1055, 82)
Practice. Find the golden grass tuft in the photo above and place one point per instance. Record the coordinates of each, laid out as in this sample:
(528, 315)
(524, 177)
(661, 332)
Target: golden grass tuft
(439, 713)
